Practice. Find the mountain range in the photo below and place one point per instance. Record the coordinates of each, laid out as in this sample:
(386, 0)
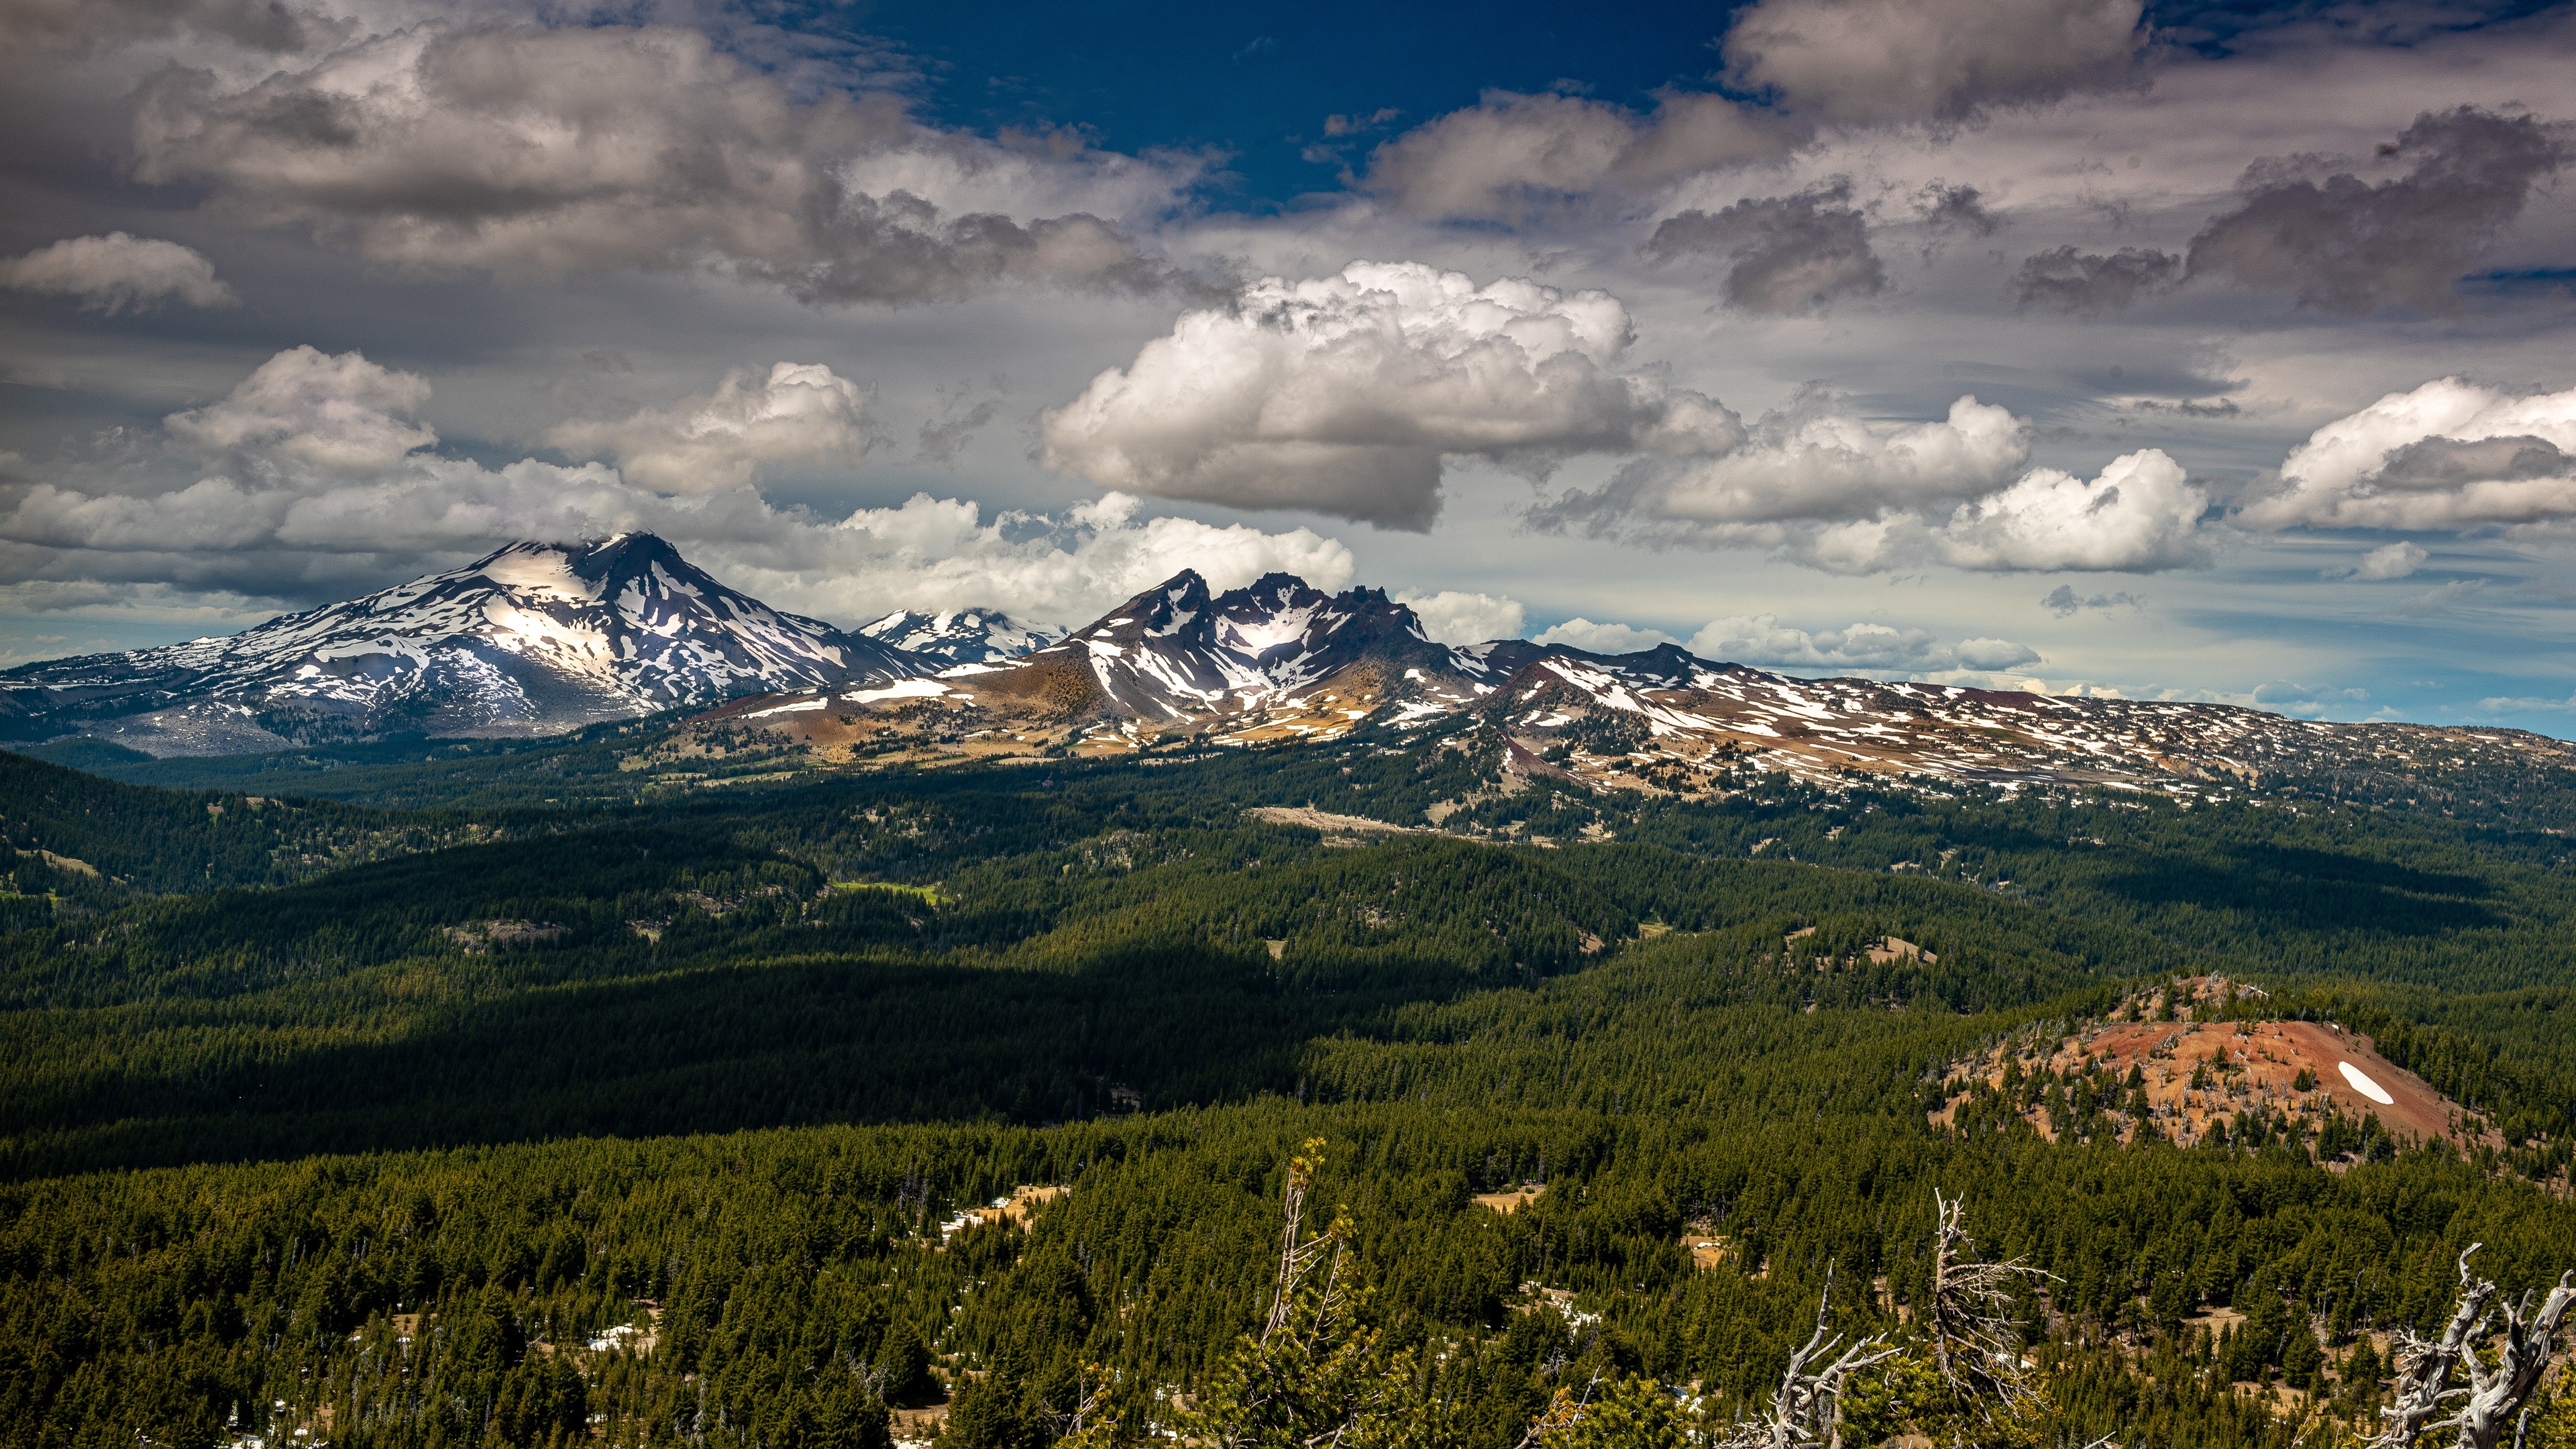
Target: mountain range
(542, 638)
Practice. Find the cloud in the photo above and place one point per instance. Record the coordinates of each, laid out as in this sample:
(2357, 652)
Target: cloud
(1878, 61)
(1811, 462)
(2065, 603)
(304, 409)
(1762, 639)
(258, 25)
(1790, 253)
(2449, 454)
(2440, 599)
(1940, 206)
(2395, 561)
(1512, 156)
(2091, 283)
(2526, 704)
(1847, 495)
(2140, 515)
(322, 490)
(2299, 701)
(116, 273)
(942, 438)
(1580, 633)
(1344, 394)
(548, 153)
(1453, 617)
(706, 444)
(2347, 245)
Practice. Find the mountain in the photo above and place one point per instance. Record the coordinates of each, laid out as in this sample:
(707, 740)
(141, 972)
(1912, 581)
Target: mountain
(533, 639)
(1280, 661)
(961, 636)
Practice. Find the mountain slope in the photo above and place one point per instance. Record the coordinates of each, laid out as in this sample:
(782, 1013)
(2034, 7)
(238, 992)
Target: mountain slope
(1280, 661)
(532, 639)
(960, 636)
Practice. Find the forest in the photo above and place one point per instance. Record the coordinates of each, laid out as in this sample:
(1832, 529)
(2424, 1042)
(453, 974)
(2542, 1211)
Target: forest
(418, 1093)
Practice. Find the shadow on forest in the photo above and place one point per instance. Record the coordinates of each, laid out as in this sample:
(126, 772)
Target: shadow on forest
(2312, 890)
(719, 1049)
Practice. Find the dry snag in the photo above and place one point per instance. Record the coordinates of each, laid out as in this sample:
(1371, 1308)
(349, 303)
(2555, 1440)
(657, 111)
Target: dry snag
(1805, 1408)
(1976, 1343)
(2495, 1394)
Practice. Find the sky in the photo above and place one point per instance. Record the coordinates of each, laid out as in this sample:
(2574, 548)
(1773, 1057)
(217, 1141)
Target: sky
(2193, 352)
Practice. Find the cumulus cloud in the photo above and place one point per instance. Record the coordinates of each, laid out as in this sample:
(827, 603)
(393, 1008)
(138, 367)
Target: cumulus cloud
(1511, 156)
(1847, 495)
(1344, 394)
(1808, 462)
(1455, 617)
(308, 410)
(1581, 633)
(117, 273)
(706, 444)
(2093, 283)
(1763, 639)
(544, 153)
(2348, 245)
(2450, 454)
(1875, 61)
(2140, 515)
(1789, 253)
(2395, 561)
(321, 488)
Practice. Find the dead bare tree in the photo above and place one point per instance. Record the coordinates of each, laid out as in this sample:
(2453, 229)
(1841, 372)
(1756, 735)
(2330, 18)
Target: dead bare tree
(2495, 1395)
(1976, 1343)
(1805, 1408)
(1297, 1258)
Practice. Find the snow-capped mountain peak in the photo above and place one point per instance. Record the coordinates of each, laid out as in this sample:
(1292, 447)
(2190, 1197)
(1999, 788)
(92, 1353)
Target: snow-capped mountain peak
(960, 636)
(530, 639)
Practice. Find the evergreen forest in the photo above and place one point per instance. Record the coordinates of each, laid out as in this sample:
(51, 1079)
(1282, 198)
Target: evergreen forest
(473, 1094)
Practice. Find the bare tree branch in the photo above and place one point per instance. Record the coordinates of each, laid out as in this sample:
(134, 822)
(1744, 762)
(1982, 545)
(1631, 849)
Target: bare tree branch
(1976, 1343)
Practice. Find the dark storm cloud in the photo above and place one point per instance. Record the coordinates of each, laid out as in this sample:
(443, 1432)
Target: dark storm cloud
(2340, 243)
(1789, 253)
(2347, 245)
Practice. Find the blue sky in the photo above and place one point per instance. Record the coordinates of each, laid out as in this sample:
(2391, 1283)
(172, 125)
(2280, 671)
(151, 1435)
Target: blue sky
(2210, 353)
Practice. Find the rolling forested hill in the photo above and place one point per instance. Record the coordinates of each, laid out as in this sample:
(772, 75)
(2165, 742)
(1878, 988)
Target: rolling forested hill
(405, 1094)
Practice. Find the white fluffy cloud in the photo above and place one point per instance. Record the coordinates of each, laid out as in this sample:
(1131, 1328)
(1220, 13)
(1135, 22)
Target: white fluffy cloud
(1581, 633)
(2394, 561)
(1455, 617)
(545, 153)
(1343, 394)
(306, 409)
(1763, 639)
(1850, 495)
(2449, 455)
(2141, 514)
(117, 273)
(1910, 60)
(1812, 462)
(707, 444)
(322, 487)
